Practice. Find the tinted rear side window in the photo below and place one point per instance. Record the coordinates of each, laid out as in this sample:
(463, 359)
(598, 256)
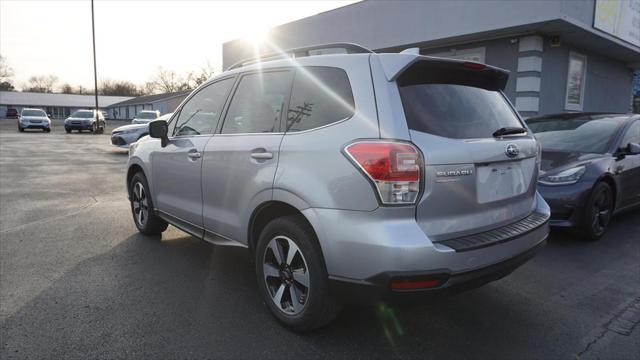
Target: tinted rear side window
(258, 103)
(456, 111)
(321, 96)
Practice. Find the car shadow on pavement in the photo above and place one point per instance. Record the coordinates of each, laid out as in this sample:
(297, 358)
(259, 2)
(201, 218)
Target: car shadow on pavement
(183, 298)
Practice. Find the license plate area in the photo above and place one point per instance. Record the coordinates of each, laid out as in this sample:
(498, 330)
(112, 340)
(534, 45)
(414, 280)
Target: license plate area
(503, 180)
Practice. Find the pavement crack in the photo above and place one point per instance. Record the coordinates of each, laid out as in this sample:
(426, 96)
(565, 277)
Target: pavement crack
(621, 323)
(592, 342)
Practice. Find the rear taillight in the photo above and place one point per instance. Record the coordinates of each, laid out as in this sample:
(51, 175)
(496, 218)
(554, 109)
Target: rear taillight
(474, 65)
(393, 167)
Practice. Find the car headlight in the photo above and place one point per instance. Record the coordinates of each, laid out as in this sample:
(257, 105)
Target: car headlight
(566, 177)
(128, 131)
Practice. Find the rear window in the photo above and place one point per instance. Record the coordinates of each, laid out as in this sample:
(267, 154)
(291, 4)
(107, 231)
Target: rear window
(321, 96)
(147, 115)
(456, 111)
(84, 114)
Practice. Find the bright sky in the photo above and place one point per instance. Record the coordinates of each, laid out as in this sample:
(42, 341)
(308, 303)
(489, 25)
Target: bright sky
(133, 38)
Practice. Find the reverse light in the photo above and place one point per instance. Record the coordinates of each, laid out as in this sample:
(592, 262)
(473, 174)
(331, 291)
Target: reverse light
(566, 177)
(393, 167)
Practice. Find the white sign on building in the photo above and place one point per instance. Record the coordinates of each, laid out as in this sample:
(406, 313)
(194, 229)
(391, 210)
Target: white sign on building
(620, 18)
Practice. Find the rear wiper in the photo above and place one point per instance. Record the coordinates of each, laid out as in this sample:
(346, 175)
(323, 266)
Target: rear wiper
(509, 131)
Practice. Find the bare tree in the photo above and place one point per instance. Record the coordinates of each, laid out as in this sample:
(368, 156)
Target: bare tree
(167, 80)
(43, 84)
(6, 73)
(118, 88)
(195, 79)
(66, 88)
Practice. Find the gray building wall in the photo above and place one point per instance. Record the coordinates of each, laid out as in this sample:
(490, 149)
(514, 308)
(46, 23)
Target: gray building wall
(515, 34)
(608, 81)
(387, 24)
(607, 88)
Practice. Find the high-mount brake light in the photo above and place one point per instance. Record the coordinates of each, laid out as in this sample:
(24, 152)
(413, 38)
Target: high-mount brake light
(394, 168)
(474, 65)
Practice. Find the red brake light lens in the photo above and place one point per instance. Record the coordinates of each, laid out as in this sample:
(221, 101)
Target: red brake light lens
(474, 65)
(394, 167)
(415, 285)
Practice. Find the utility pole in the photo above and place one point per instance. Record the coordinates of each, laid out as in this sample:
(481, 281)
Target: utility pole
(95, 69)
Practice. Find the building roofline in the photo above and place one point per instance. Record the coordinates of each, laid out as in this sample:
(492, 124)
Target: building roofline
(141, 101)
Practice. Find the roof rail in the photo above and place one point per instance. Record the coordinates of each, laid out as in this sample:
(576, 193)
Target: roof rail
(301, 52)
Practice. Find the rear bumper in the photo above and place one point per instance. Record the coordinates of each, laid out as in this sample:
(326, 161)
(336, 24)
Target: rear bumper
(78, 126)
(378, 288)
(388, 242)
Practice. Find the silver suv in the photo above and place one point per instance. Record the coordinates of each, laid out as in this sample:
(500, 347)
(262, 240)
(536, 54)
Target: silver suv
(350, 177)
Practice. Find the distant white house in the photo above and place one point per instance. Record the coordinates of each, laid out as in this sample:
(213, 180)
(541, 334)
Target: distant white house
(58, 105)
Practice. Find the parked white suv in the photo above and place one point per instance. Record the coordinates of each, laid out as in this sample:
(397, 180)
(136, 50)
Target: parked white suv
(145, 116)
(34, 119)
(350, 177)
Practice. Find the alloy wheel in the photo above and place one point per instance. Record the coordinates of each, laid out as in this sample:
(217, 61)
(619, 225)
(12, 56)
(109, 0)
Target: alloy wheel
(286, 275)
(139, 201)
(601, 212)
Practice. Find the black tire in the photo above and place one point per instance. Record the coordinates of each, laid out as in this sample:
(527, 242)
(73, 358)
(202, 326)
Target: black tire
(20, 129)
(597, 212)
(100, 128)
(68, 131)
(316, 307)
(149, 223)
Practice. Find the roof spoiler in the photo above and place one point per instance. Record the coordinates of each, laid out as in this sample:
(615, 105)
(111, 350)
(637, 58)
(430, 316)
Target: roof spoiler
(409, 68)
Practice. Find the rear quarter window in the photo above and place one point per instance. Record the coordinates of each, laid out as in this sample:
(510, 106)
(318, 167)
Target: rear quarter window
(456, 111)
(320, 96)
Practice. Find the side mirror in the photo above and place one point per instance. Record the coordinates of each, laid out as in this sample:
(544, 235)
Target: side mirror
(158, 129)
(633, 149)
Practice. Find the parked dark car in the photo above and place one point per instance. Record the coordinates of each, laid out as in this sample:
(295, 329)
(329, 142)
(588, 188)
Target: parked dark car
(85, 120)
(590, 168)
(12, 113)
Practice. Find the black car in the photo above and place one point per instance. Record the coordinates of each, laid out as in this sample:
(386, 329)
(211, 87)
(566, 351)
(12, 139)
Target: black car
(12, 113)
(590, 168)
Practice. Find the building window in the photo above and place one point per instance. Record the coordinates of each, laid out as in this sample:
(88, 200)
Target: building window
(576, 79)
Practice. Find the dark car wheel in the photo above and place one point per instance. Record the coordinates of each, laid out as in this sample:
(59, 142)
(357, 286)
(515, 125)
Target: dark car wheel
(597, 212)
(142, 208)
(68, 131)
(292, 276)
(20, 129)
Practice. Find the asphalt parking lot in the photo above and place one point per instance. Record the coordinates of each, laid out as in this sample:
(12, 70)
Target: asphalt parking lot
(78, 281)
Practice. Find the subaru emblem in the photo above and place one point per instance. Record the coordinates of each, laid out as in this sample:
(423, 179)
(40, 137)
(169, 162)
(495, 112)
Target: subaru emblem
(512, 150)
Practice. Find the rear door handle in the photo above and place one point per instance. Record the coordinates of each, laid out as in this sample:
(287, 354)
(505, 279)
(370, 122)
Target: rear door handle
(194, 154)
(262, 155)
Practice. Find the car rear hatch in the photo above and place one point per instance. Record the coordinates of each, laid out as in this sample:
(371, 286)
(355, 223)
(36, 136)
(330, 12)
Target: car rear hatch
(480, 162)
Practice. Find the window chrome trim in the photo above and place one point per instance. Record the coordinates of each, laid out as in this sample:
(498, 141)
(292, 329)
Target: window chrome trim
(321, 127)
